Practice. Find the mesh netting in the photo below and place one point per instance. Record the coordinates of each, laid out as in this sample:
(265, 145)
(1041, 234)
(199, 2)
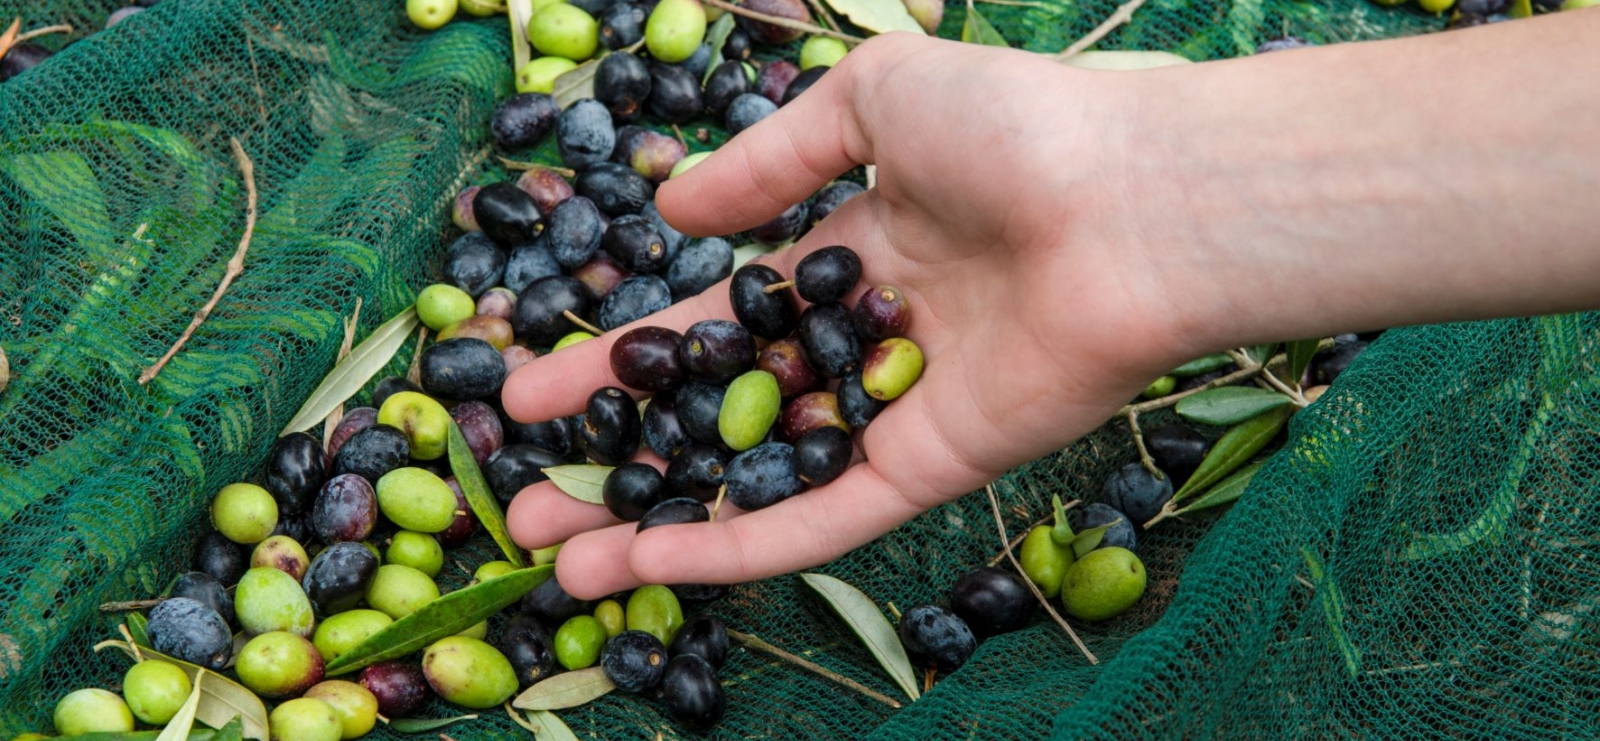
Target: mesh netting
(1418, 562)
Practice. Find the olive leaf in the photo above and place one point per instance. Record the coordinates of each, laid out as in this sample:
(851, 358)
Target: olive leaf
(1123, 60)
(1229, 405)
(1300, 354)
(423, 725)
(1089, 540)
(864, 618)
(519, 12)
(1260, 354)
(551, 728)
(1226, 490)
(583, 482)
(1333, 610)
(136, 625)
(364, 362)
(1236, 447)
(978, 30)
(879, 16)
(717, 37)
(222, 700)
(567, 690)
(178, 728)
(1199, 366)
(578, 83)
(229, 732)
(476, 490)
(441, 618)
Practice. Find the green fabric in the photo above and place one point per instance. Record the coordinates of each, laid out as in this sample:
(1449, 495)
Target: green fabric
(1297, 615)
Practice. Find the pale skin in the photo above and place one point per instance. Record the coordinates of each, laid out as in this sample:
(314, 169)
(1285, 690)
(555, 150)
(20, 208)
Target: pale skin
(1066, 236)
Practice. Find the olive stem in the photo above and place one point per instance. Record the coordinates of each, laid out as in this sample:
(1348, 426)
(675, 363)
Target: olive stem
(1000, 524)
(380, 716)
(679, 133)
(1001, 556)
(46, 31)
(1121, 15)
(1167, 510)
(335, 416)
(235, 264)
(1138, 442)
(760, 645)
(521, 721)
(927, 680)
(583, 325)
(138, 604)
(895, 611)
(775, 287)
(1273, 383)
(822, 12)
(138, 656)
(515, 165)
(722, 491)
(789, 23)
(414, 373)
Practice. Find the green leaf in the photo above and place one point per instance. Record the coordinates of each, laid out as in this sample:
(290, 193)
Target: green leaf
(1333, 610)
(566, 690)
(423, 725)
(864, 618)
(484, 506)
(882, 16)
(1236, 447)
(1261, 353)
(222, 700)
(1200, 366)
(550, 727)
(230, 732)
(519, 12)
(178, 728)
(1226, 490)
(1089, 540)
(136, 623)
(441, 618)
(582, 482)
(717, 36)
(978, 30)
(1300, 354)
(1229, 404)
(360, 366)
(1123, 60)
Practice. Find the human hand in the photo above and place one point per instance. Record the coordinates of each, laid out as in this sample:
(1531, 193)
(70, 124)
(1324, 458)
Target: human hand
(1035, 324)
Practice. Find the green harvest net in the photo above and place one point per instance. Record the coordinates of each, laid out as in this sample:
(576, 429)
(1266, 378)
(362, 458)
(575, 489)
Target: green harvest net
(1420, 561)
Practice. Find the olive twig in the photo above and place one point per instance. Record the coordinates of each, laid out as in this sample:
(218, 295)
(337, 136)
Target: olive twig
(247, 169)
(521, 721)
(1138, 442)
(46, 31)
(1121, 15)
(895, 611)
(788, 23)
(679, 133)
(780, 285)
(414, 372)
(760, 645)
(138, 656)
(1272, 382)
(515, 165)
(138, 604)
(1017, 541)
(1000, 524)
(722, 491)
(822, 12)
(583, 325)
(335, 416)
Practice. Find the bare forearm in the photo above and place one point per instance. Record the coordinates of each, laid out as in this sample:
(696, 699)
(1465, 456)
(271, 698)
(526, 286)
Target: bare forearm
(1369, 185)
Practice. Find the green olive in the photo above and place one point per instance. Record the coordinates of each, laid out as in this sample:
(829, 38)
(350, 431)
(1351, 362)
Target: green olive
(419, 551)
(244, 513)
(1044, 561)
(578, 642)
(416, 500)
(562, 30)
(155, 691)
(469, 672)
(492, 569)
(821, 51)
(1160, 387)
(339, 633)
(655, 610)
(430, 14)
(675, 29)
(890, 368)
(610, 615)
(355, 706)
(749, 407)
(267, 599)
(305, 719)
(441, 305)
(92, 710)
(539, 75)
(398, 591)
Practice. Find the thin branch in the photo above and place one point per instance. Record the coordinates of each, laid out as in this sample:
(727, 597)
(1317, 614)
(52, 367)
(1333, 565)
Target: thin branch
(679, 132)
(1138, 442)
(46, 31)
(1016, 3)
(583, 325)
(760, 645)
(247, 170)
(414, 373)
(1001, 556)
(1121, 15)
(1000, 524)
(132, 605)
(722, 491)
(1171, 399)
(822, 12)
(521, 721)
(521, 166)
(788, 23)
(337, 415)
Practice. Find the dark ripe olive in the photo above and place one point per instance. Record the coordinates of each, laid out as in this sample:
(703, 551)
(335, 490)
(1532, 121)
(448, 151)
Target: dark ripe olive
(633, 299)
(346, 509)
(295, 470)
(1121, 534)
(634, 243)
(400, 688)
(21, 58)
(389, 387)
(222, 559)
(702, 264)
(774, 78)
(653, 155)
(991, 601)
(474, 263)
(297, 526)
(507, 214)
(540, 317)
(935, 638)
(699, 404)
(770, 316)
(462, 369)
(830, 339)
(551, 605)
(573, 231)
(516, 467)
(1136, 492)
(646, 358)
(745, 111)
(373, 452)
(801, 83)
(855, 405)
(698, 62)
(677, 511)
(762, 476)
(597, 8)
(585, 134)
(827, 275)
(546, 186)
(622, 25)
(881, 313)
(616, 189)
(663, 431)
(771, 34)
(782, 228)
(354, 420)
(674, 94)
(704, 636)
(205, 589)
(717, 351)
(339, 576)
(526, 644)
(830, 198)
(622, 83)
(1329, 364)
(188, 630)
(554, 435)
(1177, 451)
(523, 121)
(600, 276)
(690, 594)
(528, 263)
(786, 361)
(634, 661)
(611, 427)
(692, 694)
(465, 523)
(631, 489)
(696, 472)
(810, 412)
(737, 45)
(727, 81)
